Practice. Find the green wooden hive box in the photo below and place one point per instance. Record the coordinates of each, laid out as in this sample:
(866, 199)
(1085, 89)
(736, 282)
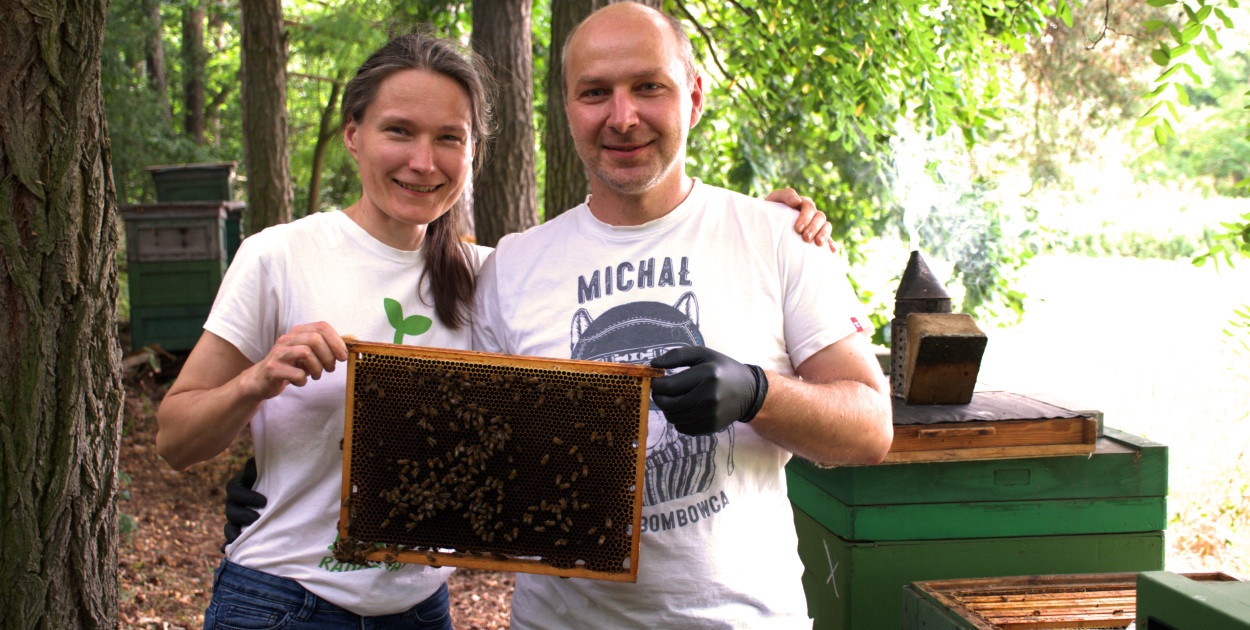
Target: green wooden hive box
(867, 531)
(1168, 601)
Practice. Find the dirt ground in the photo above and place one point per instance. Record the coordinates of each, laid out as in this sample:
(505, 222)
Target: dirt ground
(171, 524)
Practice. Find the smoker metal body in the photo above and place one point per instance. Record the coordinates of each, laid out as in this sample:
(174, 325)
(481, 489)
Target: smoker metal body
(919, 291)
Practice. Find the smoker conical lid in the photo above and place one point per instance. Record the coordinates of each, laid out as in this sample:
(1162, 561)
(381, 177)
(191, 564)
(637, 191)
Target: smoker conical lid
(919, 283)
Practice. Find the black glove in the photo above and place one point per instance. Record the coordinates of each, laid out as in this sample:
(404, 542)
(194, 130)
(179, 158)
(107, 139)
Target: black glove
(242, 502)
(713, 393)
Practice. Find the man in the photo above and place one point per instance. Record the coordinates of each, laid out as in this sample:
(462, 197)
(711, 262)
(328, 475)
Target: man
(658, 267)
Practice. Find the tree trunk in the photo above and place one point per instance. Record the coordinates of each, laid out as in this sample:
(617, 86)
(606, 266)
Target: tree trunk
(269, 195)
(193, 69)
(61, 400)
(505, 190)
(327, 131)
(566, 185)
(155, 58)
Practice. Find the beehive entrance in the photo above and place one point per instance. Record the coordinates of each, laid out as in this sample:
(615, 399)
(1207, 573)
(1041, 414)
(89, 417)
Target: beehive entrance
(493, 461)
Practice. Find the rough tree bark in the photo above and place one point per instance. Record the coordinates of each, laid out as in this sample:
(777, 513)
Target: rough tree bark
(193, 69)
(505, 190)
(269, 194)
(61, 400)
(566, 184)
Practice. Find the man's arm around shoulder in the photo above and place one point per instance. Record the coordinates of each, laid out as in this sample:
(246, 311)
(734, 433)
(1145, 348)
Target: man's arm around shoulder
(839, 413)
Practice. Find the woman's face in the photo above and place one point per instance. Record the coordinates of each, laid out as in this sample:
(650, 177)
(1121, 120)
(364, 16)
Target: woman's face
(414, 151)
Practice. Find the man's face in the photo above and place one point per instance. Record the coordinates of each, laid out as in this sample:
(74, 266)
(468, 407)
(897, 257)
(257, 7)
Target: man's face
(629, 104)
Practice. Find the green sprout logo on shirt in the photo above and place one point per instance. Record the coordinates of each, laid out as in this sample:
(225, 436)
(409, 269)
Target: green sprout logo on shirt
(414, 325)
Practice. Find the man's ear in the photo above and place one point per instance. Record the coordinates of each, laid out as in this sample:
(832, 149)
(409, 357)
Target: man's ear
(696, 100)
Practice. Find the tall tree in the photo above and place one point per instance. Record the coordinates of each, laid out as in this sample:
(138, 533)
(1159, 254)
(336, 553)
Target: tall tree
(269, 194)
(193, 65)
(505, 190)
(155, 57)
(565, 185)
(328, 130)
(60, 410)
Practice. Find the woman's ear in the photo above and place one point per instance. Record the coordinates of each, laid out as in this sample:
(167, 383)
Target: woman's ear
(349, 137)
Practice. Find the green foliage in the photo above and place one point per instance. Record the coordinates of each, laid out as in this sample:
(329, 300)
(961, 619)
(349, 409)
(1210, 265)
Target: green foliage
(1133, 244)
(1232, 242)
(1192, 35)
(810, 94)
(1238, 330)
(1221, 150)
(141, 125)
(1214, 145)
(1076, 83)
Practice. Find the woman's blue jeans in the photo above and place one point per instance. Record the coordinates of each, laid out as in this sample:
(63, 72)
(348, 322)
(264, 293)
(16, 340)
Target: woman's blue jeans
(247, 599)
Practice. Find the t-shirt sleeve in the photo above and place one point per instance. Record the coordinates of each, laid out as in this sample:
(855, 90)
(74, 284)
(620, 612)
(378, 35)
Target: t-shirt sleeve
(245, 312)
(488, 331)
(821, 307)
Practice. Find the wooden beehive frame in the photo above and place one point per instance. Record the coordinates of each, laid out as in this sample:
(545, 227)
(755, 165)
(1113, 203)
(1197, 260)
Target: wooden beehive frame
(1106, 600)
(500, 398)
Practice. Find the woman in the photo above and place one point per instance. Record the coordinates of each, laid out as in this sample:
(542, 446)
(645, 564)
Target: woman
(415, 117)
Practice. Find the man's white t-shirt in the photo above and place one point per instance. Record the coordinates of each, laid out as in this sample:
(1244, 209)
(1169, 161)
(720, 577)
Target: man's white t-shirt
(323, 267)
(721, 270)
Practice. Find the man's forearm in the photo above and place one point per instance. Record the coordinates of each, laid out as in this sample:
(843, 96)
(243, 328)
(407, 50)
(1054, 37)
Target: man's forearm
(835, 423)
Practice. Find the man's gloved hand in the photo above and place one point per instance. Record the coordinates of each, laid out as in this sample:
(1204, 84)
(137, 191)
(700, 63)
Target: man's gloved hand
(242, 502)
(713, 393)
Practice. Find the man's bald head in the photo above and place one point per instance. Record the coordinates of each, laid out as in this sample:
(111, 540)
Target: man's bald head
(634, 10)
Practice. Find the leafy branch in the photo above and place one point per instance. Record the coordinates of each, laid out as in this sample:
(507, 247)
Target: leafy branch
(1191, 38)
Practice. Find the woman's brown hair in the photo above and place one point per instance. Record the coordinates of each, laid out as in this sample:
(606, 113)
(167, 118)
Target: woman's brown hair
(447, 257)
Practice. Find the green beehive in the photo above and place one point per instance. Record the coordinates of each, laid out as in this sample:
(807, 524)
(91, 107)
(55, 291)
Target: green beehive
(174, 328)
(176, 257)
(209, 181)
(1167, 601)
(866, 531)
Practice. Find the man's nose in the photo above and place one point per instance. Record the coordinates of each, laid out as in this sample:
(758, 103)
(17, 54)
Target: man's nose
(624, 112)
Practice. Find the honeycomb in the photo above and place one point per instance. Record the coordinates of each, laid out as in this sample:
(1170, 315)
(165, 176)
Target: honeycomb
(493, 461)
